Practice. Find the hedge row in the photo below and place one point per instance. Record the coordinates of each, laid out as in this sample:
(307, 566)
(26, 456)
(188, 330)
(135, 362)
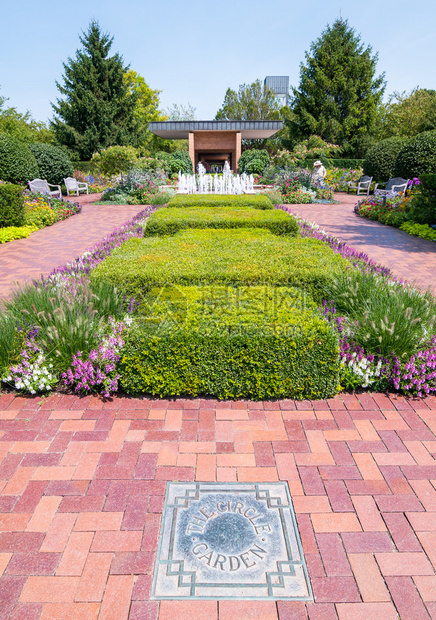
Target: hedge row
(11, 205)
(170, 221)
(217, 200)
(254, 342)
(240, 256)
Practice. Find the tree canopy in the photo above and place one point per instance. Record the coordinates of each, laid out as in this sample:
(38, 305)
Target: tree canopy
(22, 126)
(408, 114)
(252, 102)
(97, 110)
(339, 93)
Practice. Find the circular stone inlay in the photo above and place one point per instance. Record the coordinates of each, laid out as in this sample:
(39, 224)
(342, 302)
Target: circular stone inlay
(229, 533)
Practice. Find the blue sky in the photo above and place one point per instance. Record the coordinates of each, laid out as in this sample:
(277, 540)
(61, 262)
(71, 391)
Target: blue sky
(193, 51)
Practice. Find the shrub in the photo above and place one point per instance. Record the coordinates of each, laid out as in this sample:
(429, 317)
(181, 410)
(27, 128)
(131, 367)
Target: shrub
(387, 318)
(324, 193)
(422, 207)
(254, 161)
(176, 162)
(170, 221)
(221, 200)
(393, 218)
(17, 163)
(16, 232)
(40, 215)
(249, 342)
(297, 197)
(53, 162)
(274, 195)
(380, 160)
(243, 256)
(418, 156)
(11, 205)
(421, 230)
(114, 160)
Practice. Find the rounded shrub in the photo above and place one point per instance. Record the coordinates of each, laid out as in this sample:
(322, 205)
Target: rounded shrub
(17, 162)
(380, 160)
(53, 162)
(254, 161)
(418, 156)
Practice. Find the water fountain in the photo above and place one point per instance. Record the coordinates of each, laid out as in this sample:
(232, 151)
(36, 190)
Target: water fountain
(203, 183)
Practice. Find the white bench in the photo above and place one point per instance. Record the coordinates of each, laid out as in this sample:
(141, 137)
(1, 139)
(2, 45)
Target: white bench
(42, 187)
(75, 186)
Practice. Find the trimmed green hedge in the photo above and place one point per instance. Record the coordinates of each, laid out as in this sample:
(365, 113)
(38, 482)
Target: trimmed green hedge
(53, 162)
(11, 205)
(251, 342)
(170, 221)
(239, 256)
(17, 163)
(221, 200)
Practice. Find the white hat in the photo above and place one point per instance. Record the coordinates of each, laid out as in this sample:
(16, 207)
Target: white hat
(317, 163)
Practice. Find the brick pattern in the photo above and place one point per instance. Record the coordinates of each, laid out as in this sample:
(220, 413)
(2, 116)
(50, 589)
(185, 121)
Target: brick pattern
(82, 484)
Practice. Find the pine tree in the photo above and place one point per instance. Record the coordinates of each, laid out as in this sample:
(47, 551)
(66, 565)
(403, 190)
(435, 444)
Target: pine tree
(97, 109)
(339, 95)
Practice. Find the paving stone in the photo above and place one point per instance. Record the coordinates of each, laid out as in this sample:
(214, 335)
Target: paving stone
(229, 540)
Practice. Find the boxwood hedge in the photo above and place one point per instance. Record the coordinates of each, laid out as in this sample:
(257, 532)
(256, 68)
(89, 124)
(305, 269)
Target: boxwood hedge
(170, 221)
(251, 342)
(220, 200)
(238, 256)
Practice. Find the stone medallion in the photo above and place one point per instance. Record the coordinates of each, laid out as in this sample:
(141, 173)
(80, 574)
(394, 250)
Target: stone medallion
(230, 540)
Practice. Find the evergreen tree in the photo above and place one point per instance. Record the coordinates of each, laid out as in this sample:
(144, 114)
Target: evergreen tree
(339, 95)
(97, 109)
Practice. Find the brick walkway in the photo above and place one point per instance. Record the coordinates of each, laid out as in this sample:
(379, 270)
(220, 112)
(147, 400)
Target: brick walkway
(82, 481)
(82, 485)
(27, 259)
(409, 257)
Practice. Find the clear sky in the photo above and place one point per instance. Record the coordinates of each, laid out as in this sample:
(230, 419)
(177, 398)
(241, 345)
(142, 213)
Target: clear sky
(193, 51)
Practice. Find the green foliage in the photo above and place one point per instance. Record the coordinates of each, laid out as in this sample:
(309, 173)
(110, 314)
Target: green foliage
(114, 160)
(16, 232)
(22, 126)
(53, 162)
(408, 114)
(314, 147)
(11, 205)
(422, 207)
(380, 160)
(418, 156)
(220, 200)
(254, 161)
(393, 218)
(176, 162)
(251, 342)
(274, 195)
(339, 94)
(68, 320)
(238, 256)
(386, 317)
(421, 230)
(9, 341)
(17, 164)
(252, 102)
(97, 109)
(170, 221)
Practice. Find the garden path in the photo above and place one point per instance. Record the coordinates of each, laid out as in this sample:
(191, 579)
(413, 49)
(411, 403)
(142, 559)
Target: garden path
(82, 480)
(82, 485)
(27, 259)
(409, 257)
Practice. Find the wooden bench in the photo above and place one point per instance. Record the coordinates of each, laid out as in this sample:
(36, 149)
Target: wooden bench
(363, 185)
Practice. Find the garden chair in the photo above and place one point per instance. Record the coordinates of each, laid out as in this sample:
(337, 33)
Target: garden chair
(396, 184)
(363, 185)
(75, 186)
(42, 187)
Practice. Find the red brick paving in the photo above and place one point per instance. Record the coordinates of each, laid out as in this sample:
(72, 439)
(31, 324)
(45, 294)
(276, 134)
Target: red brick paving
(82, 480)
(82, 483)
(26, 259)
(408, 256)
